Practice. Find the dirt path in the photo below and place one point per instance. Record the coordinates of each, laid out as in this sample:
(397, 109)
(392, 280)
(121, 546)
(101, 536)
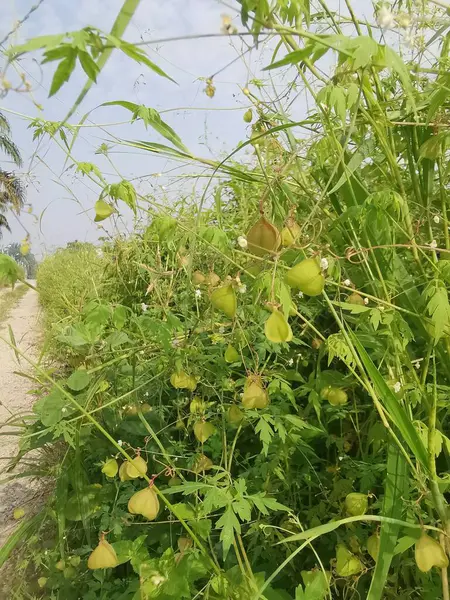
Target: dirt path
(14, 399)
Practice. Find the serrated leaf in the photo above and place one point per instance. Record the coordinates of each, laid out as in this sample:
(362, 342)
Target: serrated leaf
(438, 308)
(243, 509)
(266, 433)
(43, 41)
(229, 524)
(63, 72)
(124, 190)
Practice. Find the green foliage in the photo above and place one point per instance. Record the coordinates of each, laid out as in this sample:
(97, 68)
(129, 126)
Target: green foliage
(253, 454)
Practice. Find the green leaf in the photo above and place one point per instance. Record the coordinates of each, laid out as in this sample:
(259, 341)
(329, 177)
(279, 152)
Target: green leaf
(119, 316)
(43, 41)
(63, 72)
(365, 49)
(103, 210)
(125, 191)
(396, 489)
(140, 57)
(151, 118)
(79, 380)
(405, 542)
(229, 524)
(243, 509)
(265, 432)
(89, 65)
(50, 408)
(87, 168)
(438, 308)
(396, 411)
(395, 62)
(353, 164)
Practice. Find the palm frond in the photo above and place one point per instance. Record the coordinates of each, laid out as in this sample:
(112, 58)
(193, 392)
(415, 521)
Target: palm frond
(12, 192)
(4, 124)
(10, 148)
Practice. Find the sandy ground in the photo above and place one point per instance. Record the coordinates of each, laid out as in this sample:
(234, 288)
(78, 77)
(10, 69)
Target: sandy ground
(14, 399)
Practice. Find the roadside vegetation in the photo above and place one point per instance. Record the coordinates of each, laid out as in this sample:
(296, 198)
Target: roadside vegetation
(251, 392)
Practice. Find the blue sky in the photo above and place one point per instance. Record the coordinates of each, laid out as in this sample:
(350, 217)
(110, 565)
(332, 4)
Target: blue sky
(208, 127)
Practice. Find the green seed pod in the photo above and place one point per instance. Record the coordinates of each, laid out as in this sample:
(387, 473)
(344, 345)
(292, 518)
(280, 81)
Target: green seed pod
(373, 546)
(235, 415)
(307, 277)
(277, 329)
(336, 396)
(355, 298)
(136, 468)
(356, 504)
(248, 115)
(255, 396)
(203, 430)
(232, 355)
(224, 299)
(347, 564)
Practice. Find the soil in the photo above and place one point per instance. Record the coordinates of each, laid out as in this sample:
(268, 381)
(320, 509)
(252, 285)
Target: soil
(15, 400)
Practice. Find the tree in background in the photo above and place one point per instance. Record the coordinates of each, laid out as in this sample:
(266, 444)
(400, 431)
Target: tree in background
(12, 192)
(27, 261)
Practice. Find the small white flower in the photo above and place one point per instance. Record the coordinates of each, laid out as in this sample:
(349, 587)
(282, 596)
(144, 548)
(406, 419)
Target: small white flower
(144, 307)
(290, 362)
(175, 343)
(119, 443)
(163, 187)
(221, 329)
(366, 301)
(433, 244)
(300, 294)
(146, 394)
(417, 365)
(409, 39)
(403, 20)
(381, 307)
(242, 288)
(324, 264)
(385, 18)
(198, 293)
(158, 175)
(347, 282)
(340, 457)
(242, 241)
(397, 387)
(64, 410)
(436, 219)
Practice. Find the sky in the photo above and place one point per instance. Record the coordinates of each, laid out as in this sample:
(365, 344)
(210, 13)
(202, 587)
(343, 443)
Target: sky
(62, 201)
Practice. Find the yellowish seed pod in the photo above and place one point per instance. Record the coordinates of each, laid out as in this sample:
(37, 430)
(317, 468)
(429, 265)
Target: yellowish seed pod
(255, 396)
(290, 233)
(355, 298)
(203, 463)
(123, 475)
(203, 430)
(235, 415)
(198, 278)
(136, 468)
(263, 238)
(429, 553)
(212, 279)
(110, 467)
(145, 503)
(103, 557)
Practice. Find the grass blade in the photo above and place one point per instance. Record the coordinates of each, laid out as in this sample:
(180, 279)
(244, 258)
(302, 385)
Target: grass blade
(395, 490)
(393, 406)
(25, 530)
